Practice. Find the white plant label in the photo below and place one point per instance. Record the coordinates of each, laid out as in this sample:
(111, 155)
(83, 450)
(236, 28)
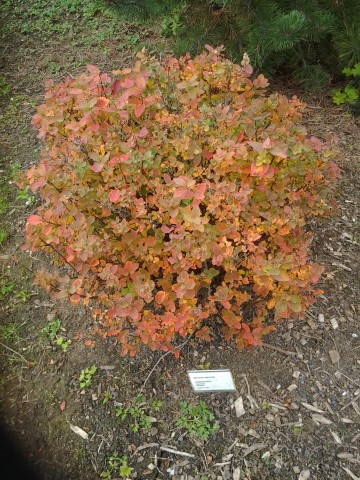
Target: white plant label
(211, 380)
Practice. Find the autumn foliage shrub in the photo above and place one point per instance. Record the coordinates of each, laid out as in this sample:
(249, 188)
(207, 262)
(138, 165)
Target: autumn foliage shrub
(175, 198)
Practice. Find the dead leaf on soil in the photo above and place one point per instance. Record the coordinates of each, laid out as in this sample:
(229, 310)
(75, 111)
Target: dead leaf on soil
(239, 407)
(62, 405)
(311, 407)
(317, 418)
(79, 431)
(253, 448)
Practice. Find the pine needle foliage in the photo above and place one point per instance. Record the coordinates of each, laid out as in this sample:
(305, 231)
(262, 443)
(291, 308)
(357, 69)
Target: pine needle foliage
(314, 39)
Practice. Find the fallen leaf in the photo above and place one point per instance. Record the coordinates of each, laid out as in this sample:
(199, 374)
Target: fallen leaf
(253, 448)
(239, 407)
(62, 405)
(310, 407)
(317, 418)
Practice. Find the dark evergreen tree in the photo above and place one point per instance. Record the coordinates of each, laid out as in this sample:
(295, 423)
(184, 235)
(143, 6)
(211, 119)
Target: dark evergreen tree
(314, 39)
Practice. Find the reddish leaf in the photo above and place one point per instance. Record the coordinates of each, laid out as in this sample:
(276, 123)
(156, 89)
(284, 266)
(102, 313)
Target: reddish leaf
(114, 196)
(35, 220)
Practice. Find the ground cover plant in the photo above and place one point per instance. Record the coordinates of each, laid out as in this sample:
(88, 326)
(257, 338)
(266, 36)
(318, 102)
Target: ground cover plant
(177, 193)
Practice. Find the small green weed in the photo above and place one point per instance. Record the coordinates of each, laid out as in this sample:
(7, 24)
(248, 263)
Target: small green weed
(6, 287)
(26, 196)
(197, 420)
(5, 88)
(62, 343)
(4, 235)
(118, 466)
(172, 25)
(52, 330)
(139, 413)
(86, 375)
(9, 331)
(350, 94)
(49, 397)
(107, 396)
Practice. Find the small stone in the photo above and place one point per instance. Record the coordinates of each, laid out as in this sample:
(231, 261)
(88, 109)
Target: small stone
(296, 374)
(321, 318)
(296, 469)
(277, 422)
(304, 475)
(292, 387)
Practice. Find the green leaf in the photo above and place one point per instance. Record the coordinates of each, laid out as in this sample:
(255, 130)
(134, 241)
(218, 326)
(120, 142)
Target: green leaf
(352, 94)
(338, 97)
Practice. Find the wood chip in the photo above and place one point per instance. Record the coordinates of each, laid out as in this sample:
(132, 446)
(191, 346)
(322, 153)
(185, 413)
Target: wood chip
(237, 473)
(317, 418)
(346, 420)
(79, 431)
(334, 356)
(146, 445)
(341, 265)
(345, 455)
(336, 437)
(334, 323)
(176, 452)
(349, 472)
(292, 387)
(356, 408)
(311, 407)
(239, 407)
(253, 448)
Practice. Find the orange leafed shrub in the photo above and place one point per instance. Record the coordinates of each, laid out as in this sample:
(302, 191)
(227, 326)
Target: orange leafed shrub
(176, 194)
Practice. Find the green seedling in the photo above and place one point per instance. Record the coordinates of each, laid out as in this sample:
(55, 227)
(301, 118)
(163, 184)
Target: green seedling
(62, 343)
(197, 420)
(3, 235)
(52, 329)
(107, 396)
(6, 287)
(118, 467)
(139, 413)
(26, 196)
(86, 375)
